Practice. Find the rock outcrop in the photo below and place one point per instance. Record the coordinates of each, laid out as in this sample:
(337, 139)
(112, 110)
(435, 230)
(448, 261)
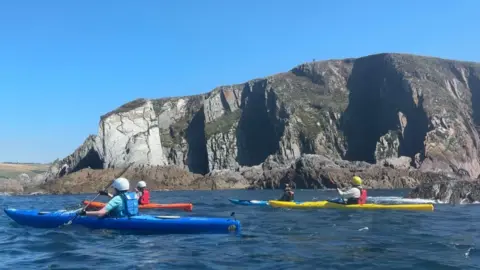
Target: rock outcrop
(11, 186)
(373, 109)
(156, 177)
(452, 191)
(131, 134)
(87, 155)
(16, 177)
(307, 172)
(319, 172)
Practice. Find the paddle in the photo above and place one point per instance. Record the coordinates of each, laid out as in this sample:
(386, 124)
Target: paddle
(98, 194)
(336, 184)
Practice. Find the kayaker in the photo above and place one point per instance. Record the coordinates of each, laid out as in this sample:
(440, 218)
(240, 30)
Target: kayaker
(123, 203)
(356, 194)
(143, 193)
(288, 194)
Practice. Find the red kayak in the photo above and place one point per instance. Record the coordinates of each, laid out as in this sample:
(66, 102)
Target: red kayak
(179, 206)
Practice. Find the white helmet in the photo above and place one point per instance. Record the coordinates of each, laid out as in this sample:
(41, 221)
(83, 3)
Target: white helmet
(141, 184)
(121, 184)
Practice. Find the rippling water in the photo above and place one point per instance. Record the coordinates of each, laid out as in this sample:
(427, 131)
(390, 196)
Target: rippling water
(271, 238)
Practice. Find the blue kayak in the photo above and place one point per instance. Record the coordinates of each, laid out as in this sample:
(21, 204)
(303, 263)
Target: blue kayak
(144, 223)
(248, 202)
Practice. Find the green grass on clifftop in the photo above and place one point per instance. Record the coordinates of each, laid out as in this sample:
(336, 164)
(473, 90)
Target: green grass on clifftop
(12, 170)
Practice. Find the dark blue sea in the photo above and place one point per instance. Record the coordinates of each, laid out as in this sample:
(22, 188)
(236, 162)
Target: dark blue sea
(447, 238)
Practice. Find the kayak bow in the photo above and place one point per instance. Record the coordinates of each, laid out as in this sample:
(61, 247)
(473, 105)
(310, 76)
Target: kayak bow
(179, 206)
(327, 204)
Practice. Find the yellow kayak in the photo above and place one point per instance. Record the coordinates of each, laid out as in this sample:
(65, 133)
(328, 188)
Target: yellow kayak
(327, 204)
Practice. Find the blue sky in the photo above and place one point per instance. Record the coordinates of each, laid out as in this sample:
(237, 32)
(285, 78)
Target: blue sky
(58, 58)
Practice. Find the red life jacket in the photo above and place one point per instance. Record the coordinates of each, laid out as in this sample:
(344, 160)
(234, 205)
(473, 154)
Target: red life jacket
(145, 198)
(361, 200)
(363, 196)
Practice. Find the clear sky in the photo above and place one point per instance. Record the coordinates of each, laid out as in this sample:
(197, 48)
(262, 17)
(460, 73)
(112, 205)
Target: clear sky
(58, 58)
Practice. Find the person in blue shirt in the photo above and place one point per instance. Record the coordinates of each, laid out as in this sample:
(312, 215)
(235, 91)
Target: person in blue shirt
(122, 204)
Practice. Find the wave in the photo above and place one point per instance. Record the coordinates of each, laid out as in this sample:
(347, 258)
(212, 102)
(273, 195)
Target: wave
(392, 199)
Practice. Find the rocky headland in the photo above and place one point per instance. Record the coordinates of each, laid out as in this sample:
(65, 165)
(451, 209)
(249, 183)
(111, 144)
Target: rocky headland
(397, 120)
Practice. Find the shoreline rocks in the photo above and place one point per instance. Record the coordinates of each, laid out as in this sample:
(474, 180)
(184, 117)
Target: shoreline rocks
(306, 172)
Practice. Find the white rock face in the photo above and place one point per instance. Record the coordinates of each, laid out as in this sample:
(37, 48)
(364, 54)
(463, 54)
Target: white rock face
(131, 136)
(171, 111)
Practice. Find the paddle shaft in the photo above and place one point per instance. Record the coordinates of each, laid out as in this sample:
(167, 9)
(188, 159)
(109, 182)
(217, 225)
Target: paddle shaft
(98, 194)
(336, 184)
(109, 184)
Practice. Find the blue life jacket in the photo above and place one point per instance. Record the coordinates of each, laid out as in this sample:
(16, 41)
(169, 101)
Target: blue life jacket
(130, 203)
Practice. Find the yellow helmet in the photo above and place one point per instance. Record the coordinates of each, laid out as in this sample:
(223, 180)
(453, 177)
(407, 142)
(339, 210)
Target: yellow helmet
(356, 180)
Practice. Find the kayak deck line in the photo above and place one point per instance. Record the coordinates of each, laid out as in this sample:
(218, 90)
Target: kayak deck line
(166, 217)
(188, 207)
(333, 205)
(140, 223)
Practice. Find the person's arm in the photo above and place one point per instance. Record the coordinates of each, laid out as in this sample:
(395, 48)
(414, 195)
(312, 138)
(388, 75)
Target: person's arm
(351, 193)
(112, 204)
(100, 213)
(105, 193)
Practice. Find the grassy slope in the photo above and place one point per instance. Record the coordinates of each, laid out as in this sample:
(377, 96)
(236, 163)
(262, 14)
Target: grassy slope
(12, 170)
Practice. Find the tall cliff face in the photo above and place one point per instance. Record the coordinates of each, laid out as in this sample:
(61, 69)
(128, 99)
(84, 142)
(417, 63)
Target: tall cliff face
(368, 109)
(131, 134)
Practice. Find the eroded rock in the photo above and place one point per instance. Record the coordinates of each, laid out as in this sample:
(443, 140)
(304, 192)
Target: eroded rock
(450, 191)
(380, 109)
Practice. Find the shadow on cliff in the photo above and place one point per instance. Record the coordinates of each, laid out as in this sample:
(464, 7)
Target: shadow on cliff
(197, 144)
(474, 83)
(377, 95)
(92, 159)
(261, 124)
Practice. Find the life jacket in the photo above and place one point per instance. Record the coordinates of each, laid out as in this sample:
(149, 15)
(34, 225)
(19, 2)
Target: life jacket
(288, 195)
(363, 196)
(361, 200)
(292, 194)
(130, 203)
(145, 198)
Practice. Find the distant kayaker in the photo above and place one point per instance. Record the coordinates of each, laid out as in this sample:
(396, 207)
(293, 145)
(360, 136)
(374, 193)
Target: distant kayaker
(143, 193)
(288, 194)
(356, 194)
(123, 203)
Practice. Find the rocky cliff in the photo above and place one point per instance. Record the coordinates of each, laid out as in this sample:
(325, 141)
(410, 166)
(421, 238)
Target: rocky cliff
(448, 191)
(371, 109)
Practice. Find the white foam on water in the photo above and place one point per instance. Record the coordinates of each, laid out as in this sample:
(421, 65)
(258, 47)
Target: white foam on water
(466, 201)
(392, 199)
(467, 254)
(413, 200)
